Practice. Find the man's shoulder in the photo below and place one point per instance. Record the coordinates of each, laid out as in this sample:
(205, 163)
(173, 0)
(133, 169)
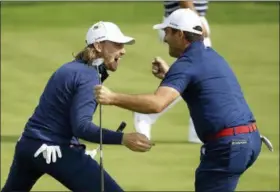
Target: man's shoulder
(183, 63)
(76, 67)
(213, 53)
(183, 59)
(74, 72)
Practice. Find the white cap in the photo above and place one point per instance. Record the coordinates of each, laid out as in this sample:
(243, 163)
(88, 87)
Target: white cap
(107, 31)
(182, 19)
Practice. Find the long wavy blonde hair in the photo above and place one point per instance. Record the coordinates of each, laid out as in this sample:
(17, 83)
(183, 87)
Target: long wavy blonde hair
(88, 54)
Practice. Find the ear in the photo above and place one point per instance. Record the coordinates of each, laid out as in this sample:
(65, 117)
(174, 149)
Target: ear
(181, 35)
(97, 47)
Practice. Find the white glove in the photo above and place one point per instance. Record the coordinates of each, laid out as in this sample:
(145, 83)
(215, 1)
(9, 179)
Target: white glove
(49, 153)
(267, 143)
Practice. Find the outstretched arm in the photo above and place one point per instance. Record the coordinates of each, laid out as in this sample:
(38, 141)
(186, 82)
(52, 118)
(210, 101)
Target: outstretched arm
(149, 103)
(173, 84)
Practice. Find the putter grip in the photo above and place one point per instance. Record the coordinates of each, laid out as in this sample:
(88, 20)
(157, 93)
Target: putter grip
(121, 127)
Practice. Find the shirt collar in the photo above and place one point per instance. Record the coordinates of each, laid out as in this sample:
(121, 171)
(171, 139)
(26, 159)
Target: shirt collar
(101, 68)
(194, 46)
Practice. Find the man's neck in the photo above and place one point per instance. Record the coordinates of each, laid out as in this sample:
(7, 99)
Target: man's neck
(184, 47)
(187, 44)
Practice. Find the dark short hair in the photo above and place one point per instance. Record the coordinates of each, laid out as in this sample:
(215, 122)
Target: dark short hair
(191, 37)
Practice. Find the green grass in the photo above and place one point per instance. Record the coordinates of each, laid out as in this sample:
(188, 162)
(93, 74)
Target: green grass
(37, 38)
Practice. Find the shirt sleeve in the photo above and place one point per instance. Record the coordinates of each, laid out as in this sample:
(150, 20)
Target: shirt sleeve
(82, 110)
(179, 75)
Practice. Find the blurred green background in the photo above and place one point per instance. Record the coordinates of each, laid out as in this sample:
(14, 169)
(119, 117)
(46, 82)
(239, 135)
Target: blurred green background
(38, 37)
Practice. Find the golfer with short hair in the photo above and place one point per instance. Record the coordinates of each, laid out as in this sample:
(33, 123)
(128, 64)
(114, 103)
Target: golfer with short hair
(143, 122)
(223, 120)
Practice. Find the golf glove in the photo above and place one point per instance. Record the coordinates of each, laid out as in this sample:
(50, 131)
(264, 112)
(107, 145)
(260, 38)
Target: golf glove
(50, 153)
(267, 142)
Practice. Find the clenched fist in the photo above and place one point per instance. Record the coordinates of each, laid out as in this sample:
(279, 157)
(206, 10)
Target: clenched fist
(159, 67)
(137, 142)
(103, 95)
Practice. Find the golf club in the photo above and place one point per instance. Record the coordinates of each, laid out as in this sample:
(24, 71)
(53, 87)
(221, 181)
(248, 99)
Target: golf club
(101, 137)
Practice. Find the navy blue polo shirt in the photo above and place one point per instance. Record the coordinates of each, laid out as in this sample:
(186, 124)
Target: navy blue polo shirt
(66, 108)
(210, 88)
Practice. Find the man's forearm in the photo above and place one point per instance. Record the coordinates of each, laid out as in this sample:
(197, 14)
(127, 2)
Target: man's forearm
(138, 103)
(90, 132)
(187, 4)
